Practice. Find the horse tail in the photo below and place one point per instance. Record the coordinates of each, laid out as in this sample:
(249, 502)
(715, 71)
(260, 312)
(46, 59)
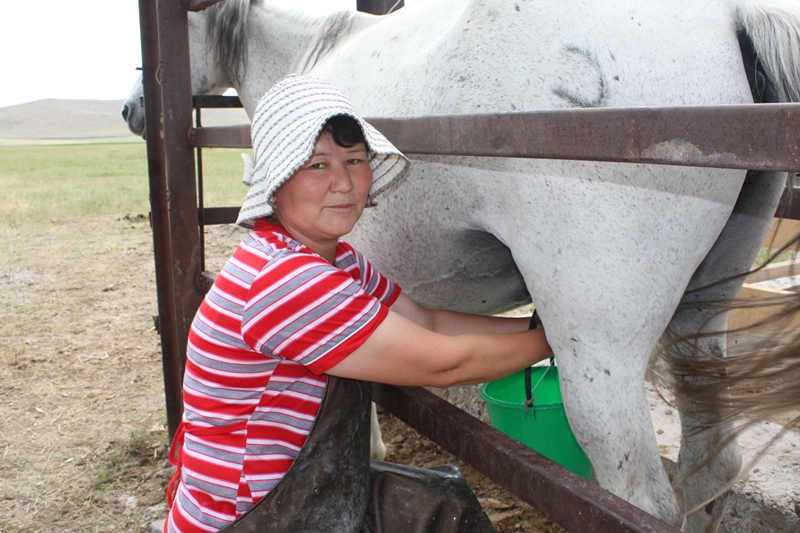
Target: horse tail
(773, 30)
(759, 377)
(226, 28)
(757, 380)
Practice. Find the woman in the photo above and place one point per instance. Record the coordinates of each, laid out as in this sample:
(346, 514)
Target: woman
(294, 309)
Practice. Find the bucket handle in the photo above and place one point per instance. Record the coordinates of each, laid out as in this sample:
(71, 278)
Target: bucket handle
(529, 390)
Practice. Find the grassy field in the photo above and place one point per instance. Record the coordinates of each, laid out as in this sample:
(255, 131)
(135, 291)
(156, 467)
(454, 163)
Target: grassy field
(83, 442)
(69, 181)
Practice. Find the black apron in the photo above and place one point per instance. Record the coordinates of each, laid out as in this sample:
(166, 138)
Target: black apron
(333, 487)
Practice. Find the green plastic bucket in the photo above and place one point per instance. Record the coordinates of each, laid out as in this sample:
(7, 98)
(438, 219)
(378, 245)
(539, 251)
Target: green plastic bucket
(543, 426)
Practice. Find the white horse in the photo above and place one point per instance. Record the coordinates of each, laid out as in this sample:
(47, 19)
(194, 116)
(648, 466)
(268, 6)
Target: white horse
(605, 251)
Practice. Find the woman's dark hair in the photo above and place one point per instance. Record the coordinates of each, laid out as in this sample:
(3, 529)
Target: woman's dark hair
(345, 131)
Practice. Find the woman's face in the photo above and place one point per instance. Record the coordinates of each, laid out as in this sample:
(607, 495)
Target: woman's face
(323, 200)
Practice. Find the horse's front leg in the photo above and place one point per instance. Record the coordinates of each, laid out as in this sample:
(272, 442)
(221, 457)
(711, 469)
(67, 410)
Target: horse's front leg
(733, 253)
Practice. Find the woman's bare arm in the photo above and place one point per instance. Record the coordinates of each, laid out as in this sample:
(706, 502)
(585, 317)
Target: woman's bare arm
(452, 323)
(403, 352)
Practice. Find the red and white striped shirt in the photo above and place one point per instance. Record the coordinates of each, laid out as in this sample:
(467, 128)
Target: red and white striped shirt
(277, 318)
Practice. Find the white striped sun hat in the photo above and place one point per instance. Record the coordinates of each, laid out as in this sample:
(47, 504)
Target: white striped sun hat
(286, 124)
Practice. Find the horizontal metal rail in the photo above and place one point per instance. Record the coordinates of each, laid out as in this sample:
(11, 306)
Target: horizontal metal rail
(754, 136)
(213, 216)
(215, 101)
(575, 503)
(222, 136)
(789, 208)
(199, 5)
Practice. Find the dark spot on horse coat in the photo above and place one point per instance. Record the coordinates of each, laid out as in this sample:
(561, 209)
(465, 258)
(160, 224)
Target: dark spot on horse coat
(623, 461)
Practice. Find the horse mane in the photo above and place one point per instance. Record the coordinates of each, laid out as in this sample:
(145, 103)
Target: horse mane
(227, 31)
(334, 26)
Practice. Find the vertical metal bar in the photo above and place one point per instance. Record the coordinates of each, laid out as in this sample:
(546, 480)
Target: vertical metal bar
(159, 216)
(174, 78)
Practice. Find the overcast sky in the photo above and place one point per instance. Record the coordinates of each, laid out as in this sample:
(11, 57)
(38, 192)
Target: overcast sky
(80, 49)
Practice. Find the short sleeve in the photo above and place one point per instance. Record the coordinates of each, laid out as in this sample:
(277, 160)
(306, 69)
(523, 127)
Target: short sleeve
(373, 282)
(302, 308)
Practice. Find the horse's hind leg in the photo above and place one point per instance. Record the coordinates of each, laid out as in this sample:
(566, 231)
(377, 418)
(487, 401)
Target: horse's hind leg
(602, 383)
(734, 253)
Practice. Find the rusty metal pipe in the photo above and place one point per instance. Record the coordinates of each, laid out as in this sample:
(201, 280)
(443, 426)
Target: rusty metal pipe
(572, 501)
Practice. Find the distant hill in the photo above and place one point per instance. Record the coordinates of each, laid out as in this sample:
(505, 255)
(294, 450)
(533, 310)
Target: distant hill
(63, 121)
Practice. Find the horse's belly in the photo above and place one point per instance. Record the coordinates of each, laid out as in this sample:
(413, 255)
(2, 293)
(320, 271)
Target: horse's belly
(479, 234)
(476, 273)
(463, 270)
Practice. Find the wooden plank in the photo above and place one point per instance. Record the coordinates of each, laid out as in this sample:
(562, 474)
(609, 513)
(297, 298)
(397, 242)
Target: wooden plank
(745, 317)
(781, 232)
(749, 291)
(775, 271)
(215, 101)
(166, 320)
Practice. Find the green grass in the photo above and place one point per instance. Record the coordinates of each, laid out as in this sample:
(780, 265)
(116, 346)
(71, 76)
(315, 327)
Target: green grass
(70, 181)
(768, 255)
(222, 176)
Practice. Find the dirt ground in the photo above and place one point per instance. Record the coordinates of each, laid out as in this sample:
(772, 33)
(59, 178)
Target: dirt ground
(82, 436)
